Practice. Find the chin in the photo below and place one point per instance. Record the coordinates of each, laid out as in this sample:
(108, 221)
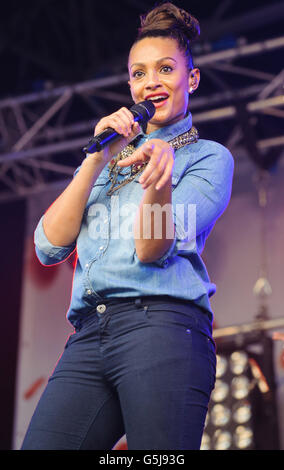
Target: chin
(161, 116)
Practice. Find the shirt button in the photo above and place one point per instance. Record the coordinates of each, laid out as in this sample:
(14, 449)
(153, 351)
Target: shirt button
(89, 291)
(86, 265)
(101, 247)
(101, 308)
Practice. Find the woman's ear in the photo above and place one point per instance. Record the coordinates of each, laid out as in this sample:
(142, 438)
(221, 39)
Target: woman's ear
(194, 79)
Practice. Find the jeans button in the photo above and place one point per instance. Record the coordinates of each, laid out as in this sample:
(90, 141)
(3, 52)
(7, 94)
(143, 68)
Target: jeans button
(101, 308)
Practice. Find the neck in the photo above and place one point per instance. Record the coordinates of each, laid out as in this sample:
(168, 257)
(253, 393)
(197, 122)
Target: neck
(154, 126)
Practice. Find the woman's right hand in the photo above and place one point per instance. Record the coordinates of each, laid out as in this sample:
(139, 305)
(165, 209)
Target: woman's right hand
(122, 121)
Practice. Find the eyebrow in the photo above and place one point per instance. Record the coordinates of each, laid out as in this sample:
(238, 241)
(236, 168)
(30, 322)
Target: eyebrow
(158, 61)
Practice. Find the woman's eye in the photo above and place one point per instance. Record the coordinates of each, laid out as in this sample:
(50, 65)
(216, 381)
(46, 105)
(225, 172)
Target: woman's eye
(137, 74)
(166, 68)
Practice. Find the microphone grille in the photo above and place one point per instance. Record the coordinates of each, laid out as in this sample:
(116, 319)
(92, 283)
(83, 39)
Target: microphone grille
(145, 110)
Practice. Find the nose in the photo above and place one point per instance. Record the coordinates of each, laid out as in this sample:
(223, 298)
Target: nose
(153, 81)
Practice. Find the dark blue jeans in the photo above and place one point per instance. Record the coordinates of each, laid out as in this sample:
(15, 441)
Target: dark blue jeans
(142, 367)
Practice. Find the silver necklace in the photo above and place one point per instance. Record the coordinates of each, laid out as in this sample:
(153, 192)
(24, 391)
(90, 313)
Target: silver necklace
(189, 137)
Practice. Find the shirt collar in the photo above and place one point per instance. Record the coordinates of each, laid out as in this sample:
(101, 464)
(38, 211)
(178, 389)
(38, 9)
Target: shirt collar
(168, 132)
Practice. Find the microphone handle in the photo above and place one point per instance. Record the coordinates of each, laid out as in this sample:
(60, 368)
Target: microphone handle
(98, 142)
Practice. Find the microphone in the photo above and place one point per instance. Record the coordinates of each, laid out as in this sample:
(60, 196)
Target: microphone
(142, 113)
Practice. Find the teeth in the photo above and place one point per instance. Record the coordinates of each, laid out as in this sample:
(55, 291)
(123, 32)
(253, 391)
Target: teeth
(159, 97)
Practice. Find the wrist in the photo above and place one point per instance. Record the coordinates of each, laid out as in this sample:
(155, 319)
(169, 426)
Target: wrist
(158, 192)
(94, 161)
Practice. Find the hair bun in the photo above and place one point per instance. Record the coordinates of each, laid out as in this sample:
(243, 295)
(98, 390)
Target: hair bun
(168, 18)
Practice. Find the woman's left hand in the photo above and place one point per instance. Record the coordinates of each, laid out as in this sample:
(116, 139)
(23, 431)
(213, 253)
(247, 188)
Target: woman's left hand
(160, 156)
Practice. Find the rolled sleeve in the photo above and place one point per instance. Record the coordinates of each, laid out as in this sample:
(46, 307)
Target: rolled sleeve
(47, 253)
(163, 261)
(199, 199)
(203, 193)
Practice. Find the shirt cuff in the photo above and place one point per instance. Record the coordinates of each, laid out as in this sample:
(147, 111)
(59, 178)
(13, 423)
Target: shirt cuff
(46, 251)
(172, 251)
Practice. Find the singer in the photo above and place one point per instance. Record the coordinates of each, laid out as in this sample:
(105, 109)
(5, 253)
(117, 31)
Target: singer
(141, 360)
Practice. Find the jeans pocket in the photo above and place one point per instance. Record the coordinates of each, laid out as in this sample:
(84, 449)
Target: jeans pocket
(169, 316)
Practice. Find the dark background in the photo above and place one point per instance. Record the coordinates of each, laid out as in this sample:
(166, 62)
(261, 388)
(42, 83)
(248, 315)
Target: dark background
(49, 43)
(75, 40)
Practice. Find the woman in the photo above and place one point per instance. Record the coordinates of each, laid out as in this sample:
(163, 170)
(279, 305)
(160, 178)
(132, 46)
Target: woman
(141, 360)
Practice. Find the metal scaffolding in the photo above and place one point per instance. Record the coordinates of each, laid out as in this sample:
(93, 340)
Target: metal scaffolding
(41, 140)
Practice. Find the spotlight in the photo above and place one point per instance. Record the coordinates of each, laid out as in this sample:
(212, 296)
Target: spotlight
(240, 387)
(221, 366)
(222, 440)
(229, 420)
(242, 412)
(206, 442)
(238, 362)
(243, 437)
(220, 415)
(220, 391)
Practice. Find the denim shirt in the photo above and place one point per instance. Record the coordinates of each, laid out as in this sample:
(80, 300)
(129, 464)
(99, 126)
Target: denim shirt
(107, 264)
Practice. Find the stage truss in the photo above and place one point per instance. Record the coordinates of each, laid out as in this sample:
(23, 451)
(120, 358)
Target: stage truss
(241, 104)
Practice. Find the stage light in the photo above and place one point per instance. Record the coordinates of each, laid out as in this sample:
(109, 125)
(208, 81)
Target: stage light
(238, 362)
(220, 391)
(220, 415)
(242, 409)
(221, 366)
(206, 442)
(240, 387)
(222, 440)
(243, 437)
(242, 412)
(229, 418)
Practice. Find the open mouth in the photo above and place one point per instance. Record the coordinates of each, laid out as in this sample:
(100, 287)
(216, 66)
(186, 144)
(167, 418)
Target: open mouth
(158, 98)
